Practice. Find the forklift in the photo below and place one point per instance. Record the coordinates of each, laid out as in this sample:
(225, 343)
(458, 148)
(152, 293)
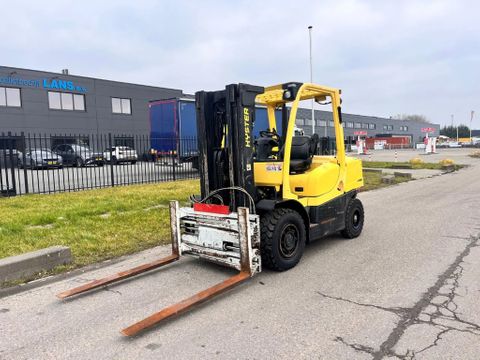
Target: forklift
(262, 199)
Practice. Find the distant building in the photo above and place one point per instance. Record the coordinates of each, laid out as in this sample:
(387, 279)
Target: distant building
(374, 126)
(60, 104)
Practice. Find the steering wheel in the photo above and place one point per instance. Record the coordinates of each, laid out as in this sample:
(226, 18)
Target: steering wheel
(269, 134)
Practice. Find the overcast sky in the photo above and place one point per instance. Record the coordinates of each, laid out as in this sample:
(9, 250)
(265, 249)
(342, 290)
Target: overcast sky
(388, 57)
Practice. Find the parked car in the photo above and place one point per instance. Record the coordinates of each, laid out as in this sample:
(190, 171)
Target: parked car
(78, 155)
(119, 154)
(454, 144)
(40, 159)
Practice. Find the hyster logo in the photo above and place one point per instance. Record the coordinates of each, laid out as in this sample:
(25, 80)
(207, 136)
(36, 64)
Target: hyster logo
(246, 120)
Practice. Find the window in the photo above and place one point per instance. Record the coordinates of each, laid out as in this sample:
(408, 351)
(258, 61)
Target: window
(358, 125)
(387, 127)
(300, 122)
(330, 123)
(364, 126)
(343, 124)
(308, 122)
(66, 101)
(322, 123)
(123, 141)
(350, 124)
(121, 106)
(403, 128)
(10, 97)
(79, 102)
(371, 126)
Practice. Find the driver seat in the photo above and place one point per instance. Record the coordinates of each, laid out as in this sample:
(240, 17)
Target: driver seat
(303, 150)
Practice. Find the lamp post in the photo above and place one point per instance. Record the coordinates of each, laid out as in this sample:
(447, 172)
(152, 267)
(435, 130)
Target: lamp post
(471, 119)
(311, 76)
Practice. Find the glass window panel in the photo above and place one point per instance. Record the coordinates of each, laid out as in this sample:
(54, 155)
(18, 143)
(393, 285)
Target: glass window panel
(79, 102)
(358, 125)
(67, 101)
(126, 108)
(322, 123)
(300, 121)
(371, 126)
(13, 97)
(116, 106)
(54, 100)
(3, 99)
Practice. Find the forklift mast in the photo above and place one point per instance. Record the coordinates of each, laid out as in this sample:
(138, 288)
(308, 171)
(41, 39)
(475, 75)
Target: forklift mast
(225, 122)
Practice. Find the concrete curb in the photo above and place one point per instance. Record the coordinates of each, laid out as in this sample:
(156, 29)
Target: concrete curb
(25, 265)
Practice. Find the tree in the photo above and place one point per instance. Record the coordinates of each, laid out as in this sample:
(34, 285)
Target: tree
(451, 131)
(413, 117)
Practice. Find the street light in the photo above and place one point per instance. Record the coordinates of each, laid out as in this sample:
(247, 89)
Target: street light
(471, 119)
(311, 77)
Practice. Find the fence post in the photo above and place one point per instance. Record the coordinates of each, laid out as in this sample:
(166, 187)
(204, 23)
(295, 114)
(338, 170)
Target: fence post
(24, 162)
(12, 165)
(174, 167)
(112, 175)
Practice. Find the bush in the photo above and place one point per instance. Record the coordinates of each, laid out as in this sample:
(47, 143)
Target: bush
(416, 161)
(446, 162)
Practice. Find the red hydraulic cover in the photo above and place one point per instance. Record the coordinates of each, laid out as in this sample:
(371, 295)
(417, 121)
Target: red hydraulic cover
(212, 208)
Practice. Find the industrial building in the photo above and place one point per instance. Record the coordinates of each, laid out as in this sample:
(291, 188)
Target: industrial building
(62, 104)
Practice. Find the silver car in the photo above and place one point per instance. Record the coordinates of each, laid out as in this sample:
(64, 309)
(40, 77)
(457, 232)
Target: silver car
(119, 154)
(41, 159)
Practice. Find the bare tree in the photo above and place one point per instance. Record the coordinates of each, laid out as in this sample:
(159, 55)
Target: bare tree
(413, 117)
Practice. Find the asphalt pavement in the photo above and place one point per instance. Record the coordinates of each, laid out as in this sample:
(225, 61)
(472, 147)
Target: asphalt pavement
(407, 288)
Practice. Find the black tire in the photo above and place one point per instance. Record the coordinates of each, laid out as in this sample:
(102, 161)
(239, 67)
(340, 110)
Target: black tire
(283, 239)
(133, 162)
(78, 162)
(354, 219)
(114, 161)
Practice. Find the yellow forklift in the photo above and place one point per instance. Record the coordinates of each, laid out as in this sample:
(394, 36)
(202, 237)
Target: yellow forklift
(262, 199)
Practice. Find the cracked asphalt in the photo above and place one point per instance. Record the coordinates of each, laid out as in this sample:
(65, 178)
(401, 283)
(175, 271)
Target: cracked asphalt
(408, 288)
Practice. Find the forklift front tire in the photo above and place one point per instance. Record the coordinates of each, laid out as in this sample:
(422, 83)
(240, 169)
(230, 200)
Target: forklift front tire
(354, 217)
(283, 238)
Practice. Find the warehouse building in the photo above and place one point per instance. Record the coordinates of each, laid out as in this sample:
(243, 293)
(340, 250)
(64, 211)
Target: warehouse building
(61, 104)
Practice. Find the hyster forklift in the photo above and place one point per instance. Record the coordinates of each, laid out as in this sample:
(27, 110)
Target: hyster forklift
(262, 199)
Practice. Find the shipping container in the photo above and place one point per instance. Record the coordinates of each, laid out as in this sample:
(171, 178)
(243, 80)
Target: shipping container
(173, 127)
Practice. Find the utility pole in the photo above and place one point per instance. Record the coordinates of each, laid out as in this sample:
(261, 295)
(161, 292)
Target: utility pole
(471, 119)
(311, 79)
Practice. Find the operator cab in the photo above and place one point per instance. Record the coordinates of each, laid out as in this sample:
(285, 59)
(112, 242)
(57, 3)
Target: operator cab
(304, 148)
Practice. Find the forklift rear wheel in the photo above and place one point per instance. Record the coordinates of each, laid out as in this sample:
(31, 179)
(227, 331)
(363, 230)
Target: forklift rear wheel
(354, 217)
(283, 238)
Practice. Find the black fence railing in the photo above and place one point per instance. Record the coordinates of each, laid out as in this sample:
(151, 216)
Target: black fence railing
(32, 163)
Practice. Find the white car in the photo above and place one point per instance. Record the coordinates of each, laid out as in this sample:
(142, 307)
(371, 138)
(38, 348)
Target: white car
(454, 144)
(119, 154)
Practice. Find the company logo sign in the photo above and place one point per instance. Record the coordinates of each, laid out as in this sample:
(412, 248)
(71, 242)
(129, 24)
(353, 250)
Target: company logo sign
(49, 84)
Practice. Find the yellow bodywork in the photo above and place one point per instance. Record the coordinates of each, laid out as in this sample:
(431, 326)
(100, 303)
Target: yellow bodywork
(328, 176)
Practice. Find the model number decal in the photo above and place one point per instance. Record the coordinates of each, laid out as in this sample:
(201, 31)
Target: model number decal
(274, 167)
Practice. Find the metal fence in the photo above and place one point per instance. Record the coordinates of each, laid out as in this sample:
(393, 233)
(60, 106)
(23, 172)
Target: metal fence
(33, 163)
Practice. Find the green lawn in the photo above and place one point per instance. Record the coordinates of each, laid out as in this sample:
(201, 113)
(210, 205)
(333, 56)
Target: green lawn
(98, 224)
(398, 165)
(374, 181)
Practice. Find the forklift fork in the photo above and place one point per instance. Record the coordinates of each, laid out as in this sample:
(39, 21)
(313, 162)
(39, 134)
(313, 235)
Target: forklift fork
(241, 256)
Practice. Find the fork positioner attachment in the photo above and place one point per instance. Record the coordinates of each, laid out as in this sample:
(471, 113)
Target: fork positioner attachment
(230, 239)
